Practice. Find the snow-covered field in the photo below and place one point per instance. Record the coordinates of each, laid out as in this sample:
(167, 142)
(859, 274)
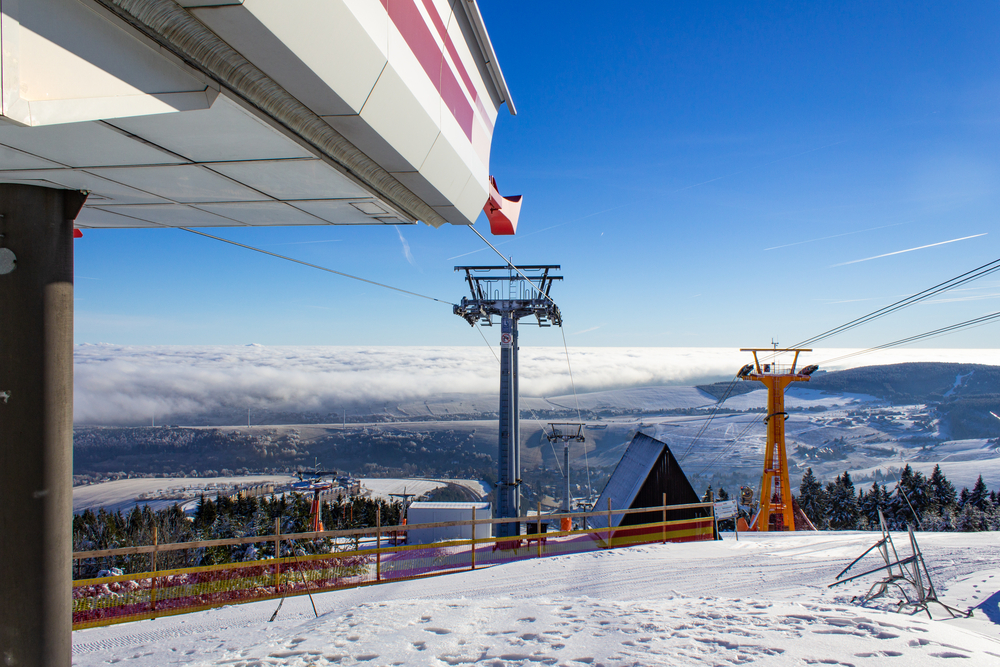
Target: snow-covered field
(160, 492)
(123, 494)
(762, 600)
(387, 487)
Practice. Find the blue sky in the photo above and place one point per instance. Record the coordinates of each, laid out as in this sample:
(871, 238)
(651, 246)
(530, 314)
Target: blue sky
(680, 161)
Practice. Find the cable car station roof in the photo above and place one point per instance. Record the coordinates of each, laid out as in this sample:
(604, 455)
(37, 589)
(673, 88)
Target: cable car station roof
(251, 112)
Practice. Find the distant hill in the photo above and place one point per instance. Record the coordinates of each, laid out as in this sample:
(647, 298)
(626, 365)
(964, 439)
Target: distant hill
(719, 389)
(962, 394)
(927, 382)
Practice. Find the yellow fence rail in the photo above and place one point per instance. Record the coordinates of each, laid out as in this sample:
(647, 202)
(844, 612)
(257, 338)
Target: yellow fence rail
(368, 556)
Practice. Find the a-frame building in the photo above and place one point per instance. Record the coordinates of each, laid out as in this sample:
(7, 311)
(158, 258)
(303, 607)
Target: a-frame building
(646, 473)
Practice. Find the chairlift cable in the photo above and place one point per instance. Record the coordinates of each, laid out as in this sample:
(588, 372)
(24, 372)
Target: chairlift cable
(533, 415)
(315, 266)
(968, 324)
(476, 324)
(756, 420)
(565, 346)
(715, 411)
(511, 265)
(957, 281)
(579, 418)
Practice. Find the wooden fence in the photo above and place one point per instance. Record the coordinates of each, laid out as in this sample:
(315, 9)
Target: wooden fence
(355, 557)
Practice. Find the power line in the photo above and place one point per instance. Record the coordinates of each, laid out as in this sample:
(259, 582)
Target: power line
(951, 283)
(586, 457)
(315, 266)
(511, 265)
(487, 343)
(718, 405)
(562, 330)
(968, 324)
(728, 448)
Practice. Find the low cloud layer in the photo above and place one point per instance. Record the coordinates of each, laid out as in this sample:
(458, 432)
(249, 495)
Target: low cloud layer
(131, 385)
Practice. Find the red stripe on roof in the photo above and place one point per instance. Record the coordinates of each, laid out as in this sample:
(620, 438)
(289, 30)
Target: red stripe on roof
(411, 25)
(446, 38)
(450, 45)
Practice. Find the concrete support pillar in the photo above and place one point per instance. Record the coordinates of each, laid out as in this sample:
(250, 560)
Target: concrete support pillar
(36, 424)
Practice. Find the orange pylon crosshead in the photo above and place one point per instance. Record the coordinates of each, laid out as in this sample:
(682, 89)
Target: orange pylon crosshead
(776, 511)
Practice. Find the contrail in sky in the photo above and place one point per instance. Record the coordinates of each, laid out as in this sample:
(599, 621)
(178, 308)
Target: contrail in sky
(899, 252)
(860, 231)
(406, 248)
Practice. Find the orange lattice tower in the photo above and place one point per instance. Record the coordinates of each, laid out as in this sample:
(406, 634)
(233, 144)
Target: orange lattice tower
(775, 492)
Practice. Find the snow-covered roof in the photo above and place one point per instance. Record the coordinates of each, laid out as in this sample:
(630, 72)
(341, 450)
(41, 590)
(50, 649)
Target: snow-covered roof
(448, 506)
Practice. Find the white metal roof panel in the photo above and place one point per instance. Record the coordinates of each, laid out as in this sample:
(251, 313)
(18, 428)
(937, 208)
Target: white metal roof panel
(271, 213)
(163, 216)
(182, 183)
(292, 179)
(90, 144)
(102, 190)
(224, 132)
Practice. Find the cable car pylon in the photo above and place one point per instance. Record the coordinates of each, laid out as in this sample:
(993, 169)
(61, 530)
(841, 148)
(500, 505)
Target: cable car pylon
(775, 510)
(509, 294)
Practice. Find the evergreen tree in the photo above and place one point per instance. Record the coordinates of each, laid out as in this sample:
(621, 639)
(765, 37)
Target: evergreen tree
(971, 519)
(870, 503)
(812, 499)
(942, 491)
(205, 513)
(843, 507)
(911, 499)
(979, 497)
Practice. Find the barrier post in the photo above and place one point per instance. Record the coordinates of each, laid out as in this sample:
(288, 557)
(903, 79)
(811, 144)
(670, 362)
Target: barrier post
(538, 529)
(152, 558)
(473, 538)
(378, 543)
(277, 554)
(609, 523)
(664, 518)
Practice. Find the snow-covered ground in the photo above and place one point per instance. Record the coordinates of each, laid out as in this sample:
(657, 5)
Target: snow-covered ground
(796, 397)
(387, 487)
(160, 492)
(762, 600)
(123, 494)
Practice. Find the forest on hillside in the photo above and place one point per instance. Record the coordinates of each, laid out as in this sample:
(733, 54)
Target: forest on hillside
(926, 503)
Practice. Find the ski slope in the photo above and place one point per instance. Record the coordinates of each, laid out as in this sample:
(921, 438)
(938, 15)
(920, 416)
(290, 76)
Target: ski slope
(760, 600)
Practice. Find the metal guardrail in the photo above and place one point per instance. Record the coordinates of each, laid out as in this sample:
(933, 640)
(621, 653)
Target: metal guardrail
(143, 595)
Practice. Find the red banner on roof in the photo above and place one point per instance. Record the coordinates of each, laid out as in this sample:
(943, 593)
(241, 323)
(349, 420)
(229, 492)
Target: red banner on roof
(502, 211)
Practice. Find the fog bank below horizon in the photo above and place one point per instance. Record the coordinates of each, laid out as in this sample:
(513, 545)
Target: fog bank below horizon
(118, 384)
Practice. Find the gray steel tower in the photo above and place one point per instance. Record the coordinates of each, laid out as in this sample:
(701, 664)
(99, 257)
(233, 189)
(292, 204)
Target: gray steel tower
(510, 295)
